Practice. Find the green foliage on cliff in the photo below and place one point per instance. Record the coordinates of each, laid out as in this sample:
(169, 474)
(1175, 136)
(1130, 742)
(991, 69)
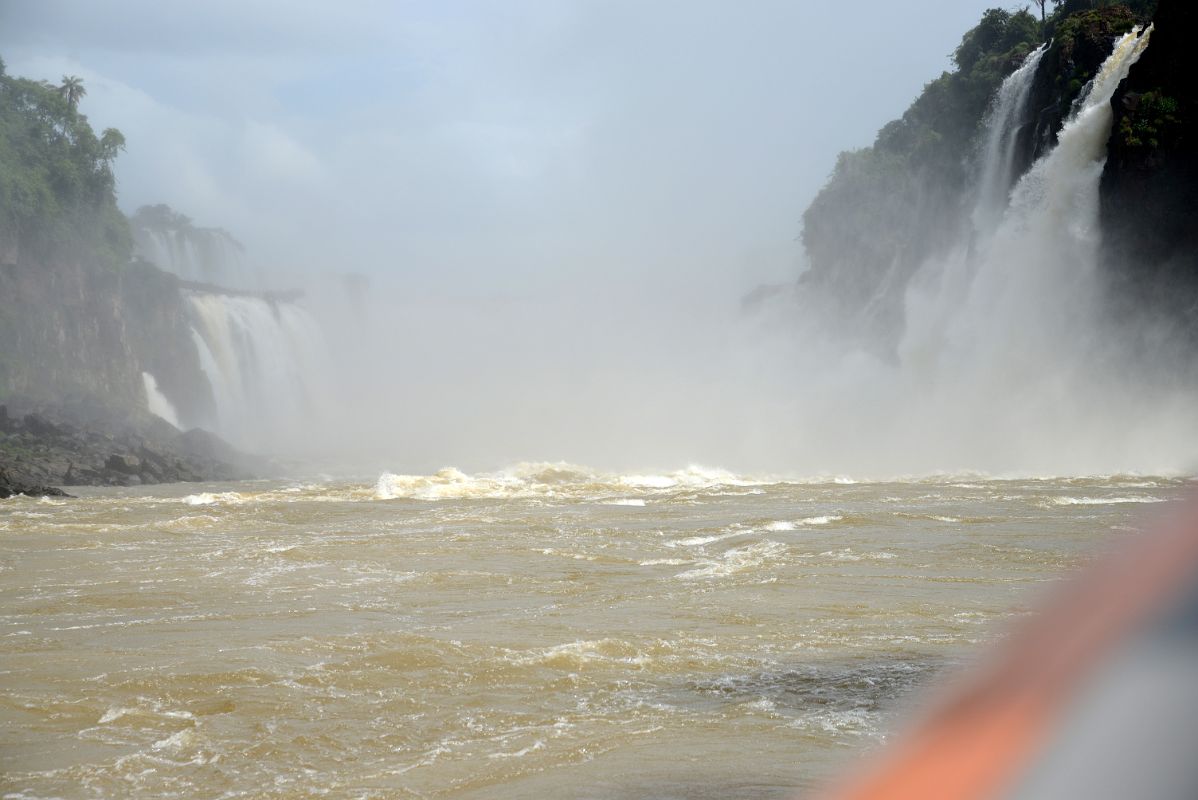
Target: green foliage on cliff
(1142, 9)
(56, 181)
(1153, 118)
(1081, 42)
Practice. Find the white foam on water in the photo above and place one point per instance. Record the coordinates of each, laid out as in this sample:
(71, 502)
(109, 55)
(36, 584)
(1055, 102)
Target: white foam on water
(115, 713)
(789, 525)
(737, 560)
(848, 554)
(175, 741)
(699, 541)
(214, 498)
(537, 745)
(586, 651)
(1104, 501)
(558, 481)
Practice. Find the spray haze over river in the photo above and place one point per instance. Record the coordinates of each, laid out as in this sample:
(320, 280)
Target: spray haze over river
(440, 606)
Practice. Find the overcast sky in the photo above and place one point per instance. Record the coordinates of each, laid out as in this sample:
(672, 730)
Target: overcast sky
(504, 144)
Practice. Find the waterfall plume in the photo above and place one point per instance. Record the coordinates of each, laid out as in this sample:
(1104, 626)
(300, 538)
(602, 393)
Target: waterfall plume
(1006, 361)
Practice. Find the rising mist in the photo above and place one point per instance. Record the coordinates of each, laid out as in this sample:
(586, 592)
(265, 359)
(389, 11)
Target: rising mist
(537, 303)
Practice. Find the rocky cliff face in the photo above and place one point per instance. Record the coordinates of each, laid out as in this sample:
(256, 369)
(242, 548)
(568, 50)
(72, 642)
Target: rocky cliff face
(1149, 192)
(74, 331)
(889, 208)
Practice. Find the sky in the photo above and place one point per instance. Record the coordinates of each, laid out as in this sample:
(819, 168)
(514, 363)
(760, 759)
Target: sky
(493, 146)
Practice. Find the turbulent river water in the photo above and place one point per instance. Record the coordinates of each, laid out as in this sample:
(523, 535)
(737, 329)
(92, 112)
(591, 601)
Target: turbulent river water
(545, 631)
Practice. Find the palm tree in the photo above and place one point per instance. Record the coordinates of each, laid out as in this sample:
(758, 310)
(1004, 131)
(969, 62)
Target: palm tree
(72, 89)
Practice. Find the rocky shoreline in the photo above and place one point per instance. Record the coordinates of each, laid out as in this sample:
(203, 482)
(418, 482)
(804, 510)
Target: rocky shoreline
(44, 448)
(10, 487)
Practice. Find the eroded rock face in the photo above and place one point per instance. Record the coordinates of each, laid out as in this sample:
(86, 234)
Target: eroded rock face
(1149, 188)
(72, 329)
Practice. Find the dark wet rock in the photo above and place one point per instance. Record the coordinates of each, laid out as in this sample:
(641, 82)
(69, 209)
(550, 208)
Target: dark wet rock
(125, 464)
(101, 447)
(10, 486)
(1150, 182)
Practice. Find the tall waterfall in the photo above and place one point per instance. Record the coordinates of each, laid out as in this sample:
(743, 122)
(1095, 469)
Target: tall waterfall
(1033, 286)
(1008, 114)
(1007, 362)
(260, 356)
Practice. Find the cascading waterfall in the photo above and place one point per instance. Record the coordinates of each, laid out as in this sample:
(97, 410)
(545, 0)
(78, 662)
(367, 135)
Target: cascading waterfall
(1025, 332)
(196, 254)
(1006, 361)
(259, 356)
(949, 279)
(1033, 281)
(1008, 114)
(157, 402)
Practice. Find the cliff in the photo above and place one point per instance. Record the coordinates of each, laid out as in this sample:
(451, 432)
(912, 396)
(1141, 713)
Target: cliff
(1149, 191)
(81, 319)
(73, 330)
(889, 208)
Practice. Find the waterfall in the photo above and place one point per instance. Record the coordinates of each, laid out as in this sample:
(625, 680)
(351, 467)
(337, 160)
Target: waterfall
(1014, 327)
(204, 255)
(200, 255)
(1008, 114)
(1007, 360)
(260, 357)
(1034, 281)
(157, 402)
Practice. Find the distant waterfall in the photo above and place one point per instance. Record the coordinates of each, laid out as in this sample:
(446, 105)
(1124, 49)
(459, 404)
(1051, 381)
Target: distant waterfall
(203, 255)
(260, 356)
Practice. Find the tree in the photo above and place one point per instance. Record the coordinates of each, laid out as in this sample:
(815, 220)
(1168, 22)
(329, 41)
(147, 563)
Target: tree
(72, 89)
(112, 142)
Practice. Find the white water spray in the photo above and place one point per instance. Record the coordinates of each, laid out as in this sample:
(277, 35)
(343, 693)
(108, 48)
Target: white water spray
(157, 402)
